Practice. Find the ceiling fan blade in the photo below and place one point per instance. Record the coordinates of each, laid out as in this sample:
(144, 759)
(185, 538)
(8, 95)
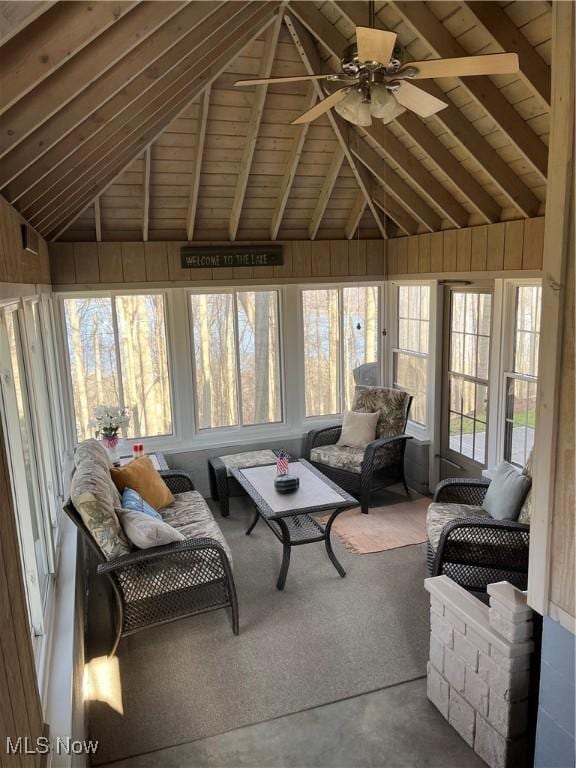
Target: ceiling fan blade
(322, 107)
(375, 44)
(424, 104)
(268, 80)
(488, 64)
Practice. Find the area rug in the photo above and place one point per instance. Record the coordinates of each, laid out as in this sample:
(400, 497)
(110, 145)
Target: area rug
(323, 639)
(391, 526)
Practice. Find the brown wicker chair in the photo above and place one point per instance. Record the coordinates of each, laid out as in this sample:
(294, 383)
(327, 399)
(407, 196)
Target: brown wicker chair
(381, 464)
(162, 584)
(473, 549)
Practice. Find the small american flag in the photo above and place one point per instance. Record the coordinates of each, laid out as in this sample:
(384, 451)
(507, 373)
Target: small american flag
(282, 463)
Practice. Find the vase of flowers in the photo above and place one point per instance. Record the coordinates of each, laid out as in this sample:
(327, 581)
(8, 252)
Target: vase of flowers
(108, 421)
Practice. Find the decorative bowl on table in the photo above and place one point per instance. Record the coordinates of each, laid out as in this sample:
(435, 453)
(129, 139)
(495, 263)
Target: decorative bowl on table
(286, 483)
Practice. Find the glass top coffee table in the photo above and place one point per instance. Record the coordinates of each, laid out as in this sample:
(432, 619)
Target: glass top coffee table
(289, 515)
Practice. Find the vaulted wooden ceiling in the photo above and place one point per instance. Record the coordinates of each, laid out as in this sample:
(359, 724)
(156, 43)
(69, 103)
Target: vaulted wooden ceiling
(119, 121)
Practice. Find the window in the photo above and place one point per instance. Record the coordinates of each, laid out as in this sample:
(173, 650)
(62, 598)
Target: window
(118, 356)
(522, 382)
(236, 346)
(340, 345)
(411, 348)
(470, 320)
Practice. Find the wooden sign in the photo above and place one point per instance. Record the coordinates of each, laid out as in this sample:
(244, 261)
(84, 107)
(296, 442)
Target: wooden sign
(215, 256)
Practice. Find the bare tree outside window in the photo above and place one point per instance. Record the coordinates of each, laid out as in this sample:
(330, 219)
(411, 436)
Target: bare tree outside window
(411, 351)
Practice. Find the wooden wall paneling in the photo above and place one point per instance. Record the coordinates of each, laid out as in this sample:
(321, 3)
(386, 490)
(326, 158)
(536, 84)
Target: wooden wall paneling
(338, 257)
(285, 270)
(110, 262)
(392, 256)
(86, 262)
(402, 256)
(424, 245)
(533, 248)
(449, 259)
(495, 255)
(175, 270)
(263, 273)
(464, 250)
(357, 257)
(479, 249)
(156, 258)
(63, 268)
(302, 259)
(513, 244)
(16, 264)
(133, 262)
(320, 258)
(375, 257)
(436, 251)
(413, 243)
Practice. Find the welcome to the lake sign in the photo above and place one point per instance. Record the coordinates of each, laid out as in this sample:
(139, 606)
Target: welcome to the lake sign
(215, 256)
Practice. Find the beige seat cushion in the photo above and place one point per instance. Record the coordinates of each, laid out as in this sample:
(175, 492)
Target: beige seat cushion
(339, 457)
(248, 459)
(190, 514)
(439, 514)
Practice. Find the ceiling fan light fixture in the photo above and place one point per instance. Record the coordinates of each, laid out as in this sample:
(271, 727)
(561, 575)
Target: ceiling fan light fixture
(355, 109)
(381, 101)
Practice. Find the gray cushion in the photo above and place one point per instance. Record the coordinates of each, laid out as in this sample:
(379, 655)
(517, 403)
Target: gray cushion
(190, 515)
(506, 492)
(145, 531)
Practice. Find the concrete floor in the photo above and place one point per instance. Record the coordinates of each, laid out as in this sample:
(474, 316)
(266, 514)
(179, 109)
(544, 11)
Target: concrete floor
(395, 727)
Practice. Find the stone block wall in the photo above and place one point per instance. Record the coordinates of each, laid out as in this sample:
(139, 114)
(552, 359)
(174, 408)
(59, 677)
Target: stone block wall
(479, 668)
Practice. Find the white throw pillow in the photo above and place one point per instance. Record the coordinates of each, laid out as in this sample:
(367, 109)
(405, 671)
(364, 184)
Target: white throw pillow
(145, 531)
(358, 429)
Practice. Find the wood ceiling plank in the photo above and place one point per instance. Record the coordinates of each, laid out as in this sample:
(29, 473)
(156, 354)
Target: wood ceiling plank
(355, 215)
(231, 45)
(146, 202)
(395, 211)
(325, 193)
(39, 49)
(291, 167)
(313, 64)
(197, 169)
(403, 193)
(533, 69)
(31, 111)
(482, 89)
(15, 16)
(100, 101)
(331, 38)
(254, 127)
(80, 159)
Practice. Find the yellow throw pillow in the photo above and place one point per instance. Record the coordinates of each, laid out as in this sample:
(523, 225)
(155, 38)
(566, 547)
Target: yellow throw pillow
(142, 477)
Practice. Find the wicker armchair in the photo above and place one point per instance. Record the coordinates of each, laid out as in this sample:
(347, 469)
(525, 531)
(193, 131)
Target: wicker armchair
(381, 464)
(162, 584)
(473, 549)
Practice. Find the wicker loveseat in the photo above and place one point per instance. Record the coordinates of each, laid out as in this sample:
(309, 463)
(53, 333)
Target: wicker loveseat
(361, 471)
(468, 545)
(152, 586)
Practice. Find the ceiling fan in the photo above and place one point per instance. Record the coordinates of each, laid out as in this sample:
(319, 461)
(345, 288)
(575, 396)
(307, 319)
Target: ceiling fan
(374, 81)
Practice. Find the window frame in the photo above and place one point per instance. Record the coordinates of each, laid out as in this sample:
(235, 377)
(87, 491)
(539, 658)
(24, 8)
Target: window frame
(326, 419)
(507, 351)
(151, 442)
(424, 432)
(236, 430)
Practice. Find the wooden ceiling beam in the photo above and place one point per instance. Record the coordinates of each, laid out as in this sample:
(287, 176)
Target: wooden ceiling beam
(14, 17)
(202, 122)
(231, 46)
(292, 166)
(98, 220)
(31, 111)
(107, 96)
(39, 49)
(100, 145)
(356, 214)
(396, 186)
(335, 43)
(393, 210)
(533, 69)
(146, 201)
(425, 24)
(325, 192)
(254, 126)
(313, 64)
